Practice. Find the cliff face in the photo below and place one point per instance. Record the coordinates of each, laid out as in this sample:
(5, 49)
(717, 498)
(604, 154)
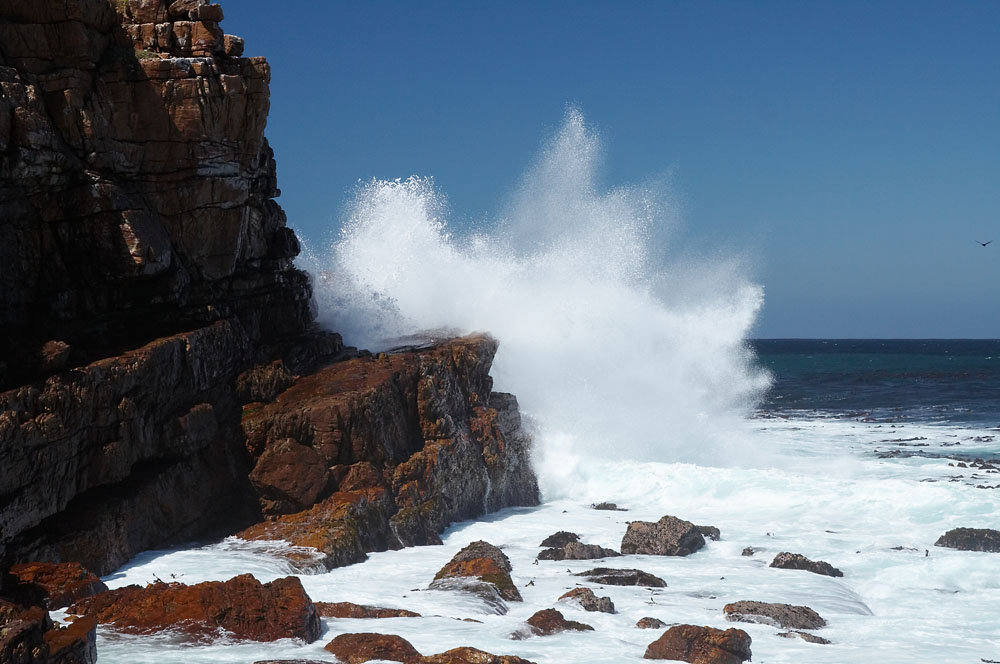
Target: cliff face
(136, 185)
(156, 343)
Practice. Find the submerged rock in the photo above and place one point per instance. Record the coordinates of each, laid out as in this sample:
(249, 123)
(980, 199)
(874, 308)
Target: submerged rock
(805, 636)
(711, 532)
(650, 623)
(971, 539)
(786, 560)
(242, 606)
(612, 576)
(786, 616)
(588, 601)
(701, 645)
(669, 536)
(609, 507)
(351, 610)
(549, 621)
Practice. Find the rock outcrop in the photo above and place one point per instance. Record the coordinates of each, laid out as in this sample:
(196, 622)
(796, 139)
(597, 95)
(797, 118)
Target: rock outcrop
(701, 645)
(786, 560)
(484, 562)
(51, 585)
(242, 606)
(669, 536)
(971, 539)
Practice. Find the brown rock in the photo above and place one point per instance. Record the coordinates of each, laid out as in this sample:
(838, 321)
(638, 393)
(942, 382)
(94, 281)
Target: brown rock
(242, 606)
(51, 585)
(786, 560)
(472, 656)
(577, 551)
(787, 616)
(22, 633)
(364, 647)
(971, 539)
(289, 477)
(609, 507)
(349, 610)
(483, 561)
(560, 539)
(73, 644)
(588, 601)
(611, 576)
(669, 536)
(650, 623)
(701, 645)
(549, 621)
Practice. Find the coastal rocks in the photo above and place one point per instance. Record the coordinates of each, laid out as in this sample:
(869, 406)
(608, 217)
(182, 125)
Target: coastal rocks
(786, 560)
(701, 645)
(786, 616)
(242, 606)
(610, 576)
(650, 623)
(669, 536)
(27, 636)
(421, 425)
(350, 610)
(51, 585)
(971, 539)
(549, 621)
(577, 551)
(74, 644)
(588, 601)
(484, 562)
(365, 647)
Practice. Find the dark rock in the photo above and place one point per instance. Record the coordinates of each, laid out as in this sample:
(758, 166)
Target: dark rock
(805, 636)
(51, 585)
(588, 601)
(559, 540)
(971, 539)
(74, 644)
(577, 551)
(669, 536)
(786, 560)
(610, 507)
(610, 576)
(483, 561)
(701, 645)
(786, 616)
(349, 610)
(364, 647)
(711, 532)
(22, 633)
(549, 621)
(650, 623)
(749, 551)
(242, 606)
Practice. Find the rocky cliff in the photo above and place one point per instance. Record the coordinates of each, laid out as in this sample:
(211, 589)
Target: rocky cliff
(161, 378)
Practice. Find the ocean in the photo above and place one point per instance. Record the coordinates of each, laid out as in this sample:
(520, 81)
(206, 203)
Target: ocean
(634, 372)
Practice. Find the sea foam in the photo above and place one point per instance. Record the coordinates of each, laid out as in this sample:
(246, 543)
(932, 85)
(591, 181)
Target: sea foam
(615, 348)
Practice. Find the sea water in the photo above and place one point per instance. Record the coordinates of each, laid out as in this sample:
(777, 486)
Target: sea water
(634, 373)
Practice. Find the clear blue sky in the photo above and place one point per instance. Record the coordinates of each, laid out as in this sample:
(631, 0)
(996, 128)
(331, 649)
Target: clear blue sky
(852, 148)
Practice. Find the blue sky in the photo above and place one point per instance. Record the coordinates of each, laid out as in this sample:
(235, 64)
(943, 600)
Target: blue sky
(851, 150)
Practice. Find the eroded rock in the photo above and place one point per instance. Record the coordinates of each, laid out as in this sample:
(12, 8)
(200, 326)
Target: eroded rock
(669, 536)
(701, 645)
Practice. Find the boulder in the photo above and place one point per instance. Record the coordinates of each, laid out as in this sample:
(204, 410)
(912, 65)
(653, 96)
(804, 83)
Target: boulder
(549, 621)
(786, 560)
(485, 562)
(650, 623)
(971, 539)
(669, 536)
(577, 551)
(611, 576)
(786, 616)
(242, 606)
(364, 647)
(701, 645)
(349, 610)
(588, 601)
(51, 585)
(560, 539)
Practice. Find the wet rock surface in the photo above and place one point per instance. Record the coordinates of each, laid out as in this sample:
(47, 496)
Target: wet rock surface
(786, 560)
(786, 616)
(805, 636)
(669, 536)
(971, 539)
(550, 621)
(613, 576)
(485, 562)
(577, 551)
(242, 606)
(650, 623)
(701, 645)
(588, 601)
(351, 610)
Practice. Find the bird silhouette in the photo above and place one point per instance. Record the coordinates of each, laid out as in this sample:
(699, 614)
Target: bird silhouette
(983, 243)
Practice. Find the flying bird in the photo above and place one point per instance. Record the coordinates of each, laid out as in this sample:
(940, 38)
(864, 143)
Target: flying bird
(983, 243)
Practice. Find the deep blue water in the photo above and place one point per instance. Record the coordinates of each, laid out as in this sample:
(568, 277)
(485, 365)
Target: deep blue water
(937, 380)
